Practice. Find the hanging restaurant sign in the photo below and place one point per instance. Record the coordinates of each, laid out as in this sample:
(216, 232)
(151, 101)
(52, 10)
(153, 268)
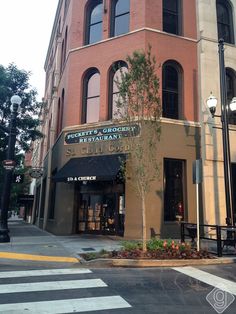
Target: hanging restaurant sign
(102, 134)
(36, 172)
(9, 164)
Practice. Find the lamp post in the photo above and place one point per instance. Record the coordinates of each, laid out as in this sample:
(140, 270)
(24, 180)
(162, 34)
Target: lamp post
(6, 192)
(225, 110)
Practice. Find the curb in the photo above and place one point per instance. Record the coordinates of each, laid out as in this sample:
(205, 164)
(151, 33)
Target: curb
(41, 258)
(170, 263)
(156, 263)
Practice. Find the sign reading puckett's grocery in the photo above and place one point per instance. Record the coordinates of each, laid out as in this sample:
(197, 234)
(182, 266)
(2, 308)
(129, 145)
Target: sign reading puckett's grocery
(102, 134)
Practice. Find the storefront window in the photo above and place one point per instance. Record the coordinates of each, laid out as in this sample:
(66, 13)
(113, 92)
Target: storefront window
(43, 199)
(102, 213)
(174, 183)
(231, 92)
(37, 201)
(90, 212)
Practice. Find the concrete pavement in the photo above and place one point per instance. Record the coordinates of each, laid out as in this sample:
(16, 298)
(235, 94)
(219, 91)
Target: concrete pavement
(29, 243)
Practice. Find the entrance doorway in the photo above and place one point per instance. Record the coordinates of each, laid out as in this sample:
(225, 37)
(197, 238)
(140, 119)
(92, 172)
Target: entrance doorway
(100, 211)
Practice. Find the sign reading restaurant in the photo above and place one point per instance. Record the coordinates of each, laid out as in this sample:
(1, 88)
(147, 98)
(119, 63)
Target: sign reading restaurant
(102, 134)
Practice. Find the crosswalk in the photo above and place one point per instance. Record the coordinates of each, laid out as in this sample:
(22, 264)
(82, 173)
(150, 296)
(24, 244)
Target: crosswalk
(209, 279)
(15, 284)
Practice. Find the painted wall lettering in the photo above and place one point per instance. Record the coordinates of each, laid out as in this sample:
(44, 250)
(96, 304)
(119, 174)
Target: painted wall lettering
(102, 134)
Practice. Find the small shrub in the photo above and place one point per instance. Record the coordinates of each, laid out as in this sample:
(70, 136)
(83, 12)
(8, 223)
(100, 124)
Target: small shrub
(103, 252)
(94, 255)
(131, 245)
(155, 244)
(156, 249)
(160, 249)
(90, 256)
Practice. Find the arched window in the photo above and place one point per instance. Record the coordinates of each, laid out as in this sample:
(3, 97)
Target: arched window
(225, 21)
(171, 90)
(91, 97)
(93, 29)
(172, 16)
(115, 76)
(231, 92)
(120, 12)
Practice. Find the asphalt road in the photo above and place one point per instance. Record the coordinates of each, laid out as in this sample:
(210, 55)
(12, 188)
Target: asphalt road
(117, 290)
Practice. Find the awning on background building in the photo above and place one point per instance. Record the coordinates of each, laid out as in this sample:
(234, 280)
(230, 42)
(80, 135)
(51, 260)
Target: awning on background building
(94, 168)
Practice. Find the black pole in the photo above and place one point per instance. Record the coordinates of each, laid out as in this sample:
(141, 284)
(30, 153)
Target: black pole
(225, 136)
(6, 192)
(219, 242)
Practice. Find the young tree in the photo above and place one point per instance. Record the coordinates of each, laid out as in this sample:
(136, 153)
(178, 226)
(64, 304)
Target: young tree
(139, 104)
(15, 81)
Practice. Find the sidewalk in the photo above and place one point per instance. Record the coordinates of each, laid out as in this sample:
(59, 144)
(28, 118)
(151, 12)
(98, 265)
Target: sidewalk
(30, 245)
(28, 242)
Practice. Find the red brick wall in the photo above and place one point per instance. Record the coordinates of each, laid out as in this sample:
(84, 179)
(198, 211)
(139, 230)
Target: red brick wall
(144, 13)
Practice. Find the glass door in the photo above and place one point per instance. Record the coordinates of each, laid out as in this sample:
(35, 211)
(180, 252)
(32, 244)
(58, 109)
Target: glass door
(90, 213)
(94, 212)
(109, 214)
(101, 213)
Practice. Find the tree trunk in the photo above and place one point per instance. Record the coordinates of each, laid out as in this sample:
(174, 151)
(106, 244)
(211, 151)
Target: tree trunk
(144, 235)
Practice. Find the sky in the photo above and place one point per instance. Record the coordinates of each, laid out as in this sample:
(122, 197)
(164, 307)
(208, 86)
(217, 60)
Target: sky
(25, 30)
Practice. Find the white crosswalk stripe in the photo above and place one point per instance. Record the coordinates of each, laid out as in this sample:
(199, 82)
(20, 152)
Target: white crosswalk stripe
(66, 306)
(82, 304)
(52, 285)
(208, 278)
(44, 272)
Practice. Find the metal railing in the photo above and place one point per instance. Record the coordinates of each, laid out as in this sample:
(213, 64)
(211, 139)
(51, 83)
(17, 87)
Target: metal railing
(221, 235)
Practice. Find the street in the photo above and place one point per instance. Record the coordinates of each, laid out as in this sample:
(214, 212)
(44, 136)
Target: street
(116, 290)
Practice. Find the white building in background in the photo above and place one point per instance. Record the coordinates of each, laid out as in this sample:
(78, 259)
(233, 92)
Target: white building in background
(216, 19)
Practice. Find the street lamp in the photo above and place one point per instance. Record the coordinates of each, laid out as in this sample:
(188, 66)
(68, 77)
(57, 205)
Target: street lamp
(9, 166)
(225, 110)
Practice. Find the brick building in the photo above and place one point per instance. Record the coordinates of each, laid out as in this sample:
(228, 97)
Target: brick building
(89, 39)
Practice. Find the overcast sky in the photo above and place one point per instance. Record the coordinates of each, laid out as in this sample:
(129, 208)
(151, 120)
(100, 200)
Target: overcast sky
(25, 29)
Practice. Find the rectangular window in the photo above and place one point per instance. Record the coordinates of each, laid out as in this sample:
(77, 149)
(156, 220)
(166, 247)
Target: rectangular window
(120, 17)
(95, 34)
(37, 201)
(52, 197)
(43, 199)
(93, 107)
(121, 24)
(170, 108)
(171, 19)
(174, 189)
